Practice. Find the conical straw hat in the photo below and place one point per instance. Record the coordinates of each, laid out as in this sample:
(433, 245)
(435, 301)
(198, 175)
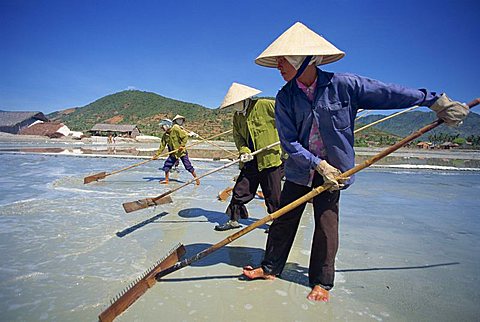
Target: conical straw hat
(178, 116)
(298, 40)
(166, 122)
(237, 93)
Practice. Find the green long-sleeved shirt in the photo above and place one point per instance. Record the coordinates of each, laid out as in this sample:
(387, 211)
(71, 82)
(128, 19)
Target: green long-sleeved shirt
(259, 125)
(174, 138)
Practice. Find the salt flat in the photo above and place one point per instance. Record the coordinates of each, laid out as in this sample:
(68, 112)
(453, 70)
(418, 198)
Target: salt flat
(408, 246)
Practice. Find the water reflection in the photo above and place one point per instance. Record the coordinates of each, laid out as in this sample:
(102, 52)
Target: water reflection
(113, 150)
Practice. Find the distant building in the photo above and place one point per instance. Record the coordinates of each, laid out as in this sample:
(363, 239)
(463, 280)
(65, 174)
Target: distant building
(424, 145)
(448, 145)
(126, 130)
(50, 129)
(14, 122)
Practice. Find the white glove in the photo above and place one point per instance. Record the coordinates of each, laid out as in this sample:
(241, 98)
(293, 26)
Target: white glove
(329, 173)
(451, 112)
(192, 134)
(246, 157)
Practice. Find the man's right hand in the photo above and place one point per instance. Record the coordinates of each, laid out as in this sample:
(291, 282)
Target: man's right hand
(329, 173)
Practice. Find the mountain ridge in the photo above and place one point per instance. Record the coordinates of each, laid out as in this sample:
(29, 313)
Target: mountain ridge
(404, 124)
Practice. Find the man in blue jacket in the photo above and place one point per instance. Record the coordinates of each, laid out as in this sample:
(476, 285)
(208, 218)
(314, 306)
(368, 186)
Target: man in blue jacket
(315, 112)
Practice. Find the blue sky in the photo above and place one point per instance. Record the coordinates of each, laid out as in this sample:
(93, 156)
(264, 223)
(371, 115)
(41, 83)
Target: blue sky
(61, 54)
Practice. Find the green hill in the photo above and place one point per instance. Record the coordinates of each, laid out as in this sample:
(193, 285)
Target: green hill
(373, 137)
(144, 109)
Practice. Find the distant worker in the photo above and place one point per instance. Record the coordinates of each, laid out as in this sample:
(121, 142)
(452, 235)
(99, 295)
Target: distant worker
(179, 120)
(174, 138)
(253, 129)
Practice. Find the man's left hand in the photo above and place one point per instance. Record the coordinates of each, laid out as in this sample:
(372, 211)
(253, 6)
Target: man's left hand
(451, 112)
(246, 157)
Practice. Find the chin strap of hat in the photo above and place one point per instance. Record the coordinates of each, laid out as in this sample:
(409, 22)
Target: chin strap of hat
(303, 66)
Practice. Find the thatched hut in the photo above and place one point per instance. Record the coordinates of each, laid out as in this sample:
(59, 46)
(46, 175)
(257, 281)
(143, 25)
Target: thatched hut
(448, 145)
(424, 145)
(124, 130)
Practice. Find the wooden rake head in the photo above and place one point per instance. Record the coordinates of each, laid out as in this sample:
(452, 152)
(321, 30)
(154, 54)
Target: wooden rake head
(137, 288)
(95, 177)
(145, 203)
(225, 194)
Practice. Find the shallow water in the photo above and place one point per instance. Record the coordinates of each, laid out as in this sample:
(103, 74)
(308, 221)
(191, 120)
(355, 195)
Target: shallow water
(408, 246)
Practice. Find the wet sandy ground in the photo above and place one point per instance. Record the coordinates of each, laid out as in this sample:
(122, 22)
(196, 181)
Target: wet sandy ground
(408, 248)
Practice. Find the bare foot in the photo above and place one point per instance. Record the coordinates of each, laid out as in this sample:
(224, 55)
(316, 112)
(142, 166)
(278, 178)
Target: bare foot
(164, 182)
(197, 182)
(318, 294)
(256, 273)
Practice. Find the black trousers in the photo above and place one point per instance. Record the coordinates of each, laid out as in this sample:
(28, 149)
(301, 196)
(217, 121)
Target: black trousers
(321, 270)
(246, 187)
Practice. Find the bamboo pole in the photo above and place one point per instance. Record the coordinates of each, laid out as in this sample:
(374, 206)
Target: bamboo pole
(363, 115)
(215, 145)
(385, 118)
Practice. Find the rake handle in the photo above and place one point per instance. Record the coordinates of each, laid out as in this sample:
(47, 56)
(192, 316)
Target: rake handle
(385, 118)
(129, 167)
(193, 144)
(213, 171)
(211, 143)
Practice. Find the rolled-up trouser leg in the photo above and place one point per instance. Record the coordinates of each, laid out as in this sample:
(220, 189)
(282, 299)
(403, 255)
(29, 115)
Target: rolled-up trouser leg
(169, 162)
(283, 230)
(244, 190)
